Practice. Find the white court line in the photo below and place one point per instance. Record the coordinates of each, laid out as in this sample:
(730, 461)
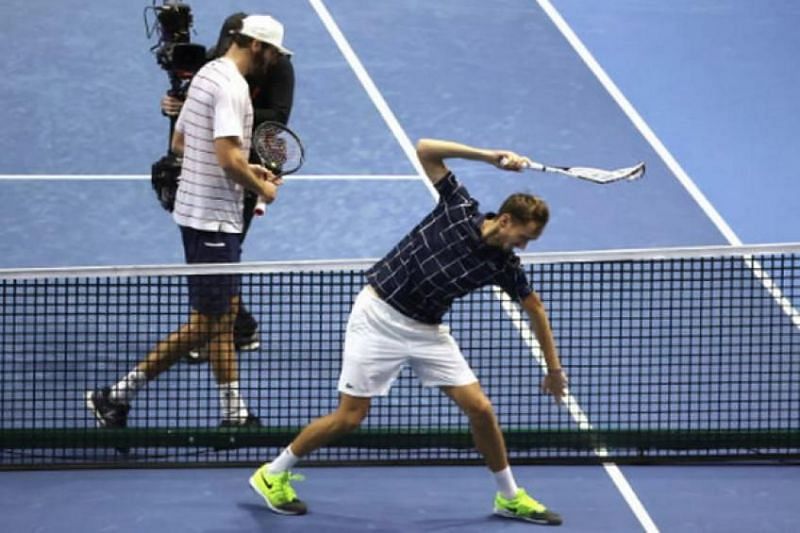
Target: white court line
(73, 177)
(784, 303)
(639, 122)
(579, 416)
(612, 469)
(513, 312)
(146, 177)
(372, 90)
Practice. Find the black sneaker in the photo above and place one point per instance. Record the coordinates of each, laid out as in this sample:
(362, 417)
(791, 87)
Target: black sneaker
(246, 341)
(243, 342)
(252, 421)
(109, 414)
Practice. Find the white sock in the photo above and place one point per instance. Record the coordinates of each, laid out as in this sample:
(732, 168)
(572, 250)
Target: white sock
(505, 483)
(126, 389)
(285, 461)
(231, 402)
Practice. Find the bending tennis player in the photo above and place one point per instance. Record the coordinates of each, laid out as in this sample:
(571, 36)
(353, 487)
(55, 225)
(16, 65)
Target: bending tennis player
(397, 320)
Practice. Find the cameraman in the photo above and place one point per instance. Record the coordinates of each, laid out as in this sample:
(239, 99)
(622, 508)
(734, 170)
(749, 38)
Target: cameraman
(272, 94)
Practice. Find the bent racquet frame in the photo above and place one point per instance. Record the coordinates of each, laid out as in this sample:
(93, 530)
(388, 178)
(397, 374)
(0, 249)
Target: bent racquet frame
(595, 175)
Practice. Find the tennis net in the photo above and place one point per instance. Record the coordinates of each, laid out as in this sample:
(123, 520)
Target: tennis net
(672, 354)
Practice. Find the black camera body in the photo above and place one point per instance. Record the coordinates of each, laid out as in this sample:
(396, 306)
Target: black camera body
(164, 175)
(181, 59)
(174, 51)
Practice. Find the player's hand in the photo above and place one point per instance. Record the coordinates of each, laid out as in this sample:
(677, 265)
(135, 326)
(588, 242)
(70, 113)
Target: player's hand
(171, 106)
(265, 174)
(555, 384)
(508, 160)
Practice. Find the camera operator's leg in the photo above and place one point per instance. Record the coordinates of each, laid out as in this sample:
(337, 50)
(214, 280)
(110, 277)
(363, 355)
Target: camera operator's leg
(246, 336)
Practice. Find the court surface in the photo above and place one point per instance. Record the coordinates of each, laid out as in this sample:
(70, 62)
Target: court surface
(703, 91)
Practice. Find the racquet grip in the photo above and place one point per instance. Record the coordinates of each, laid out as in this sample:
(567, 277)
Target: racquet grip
(532, 165)
(261, 208)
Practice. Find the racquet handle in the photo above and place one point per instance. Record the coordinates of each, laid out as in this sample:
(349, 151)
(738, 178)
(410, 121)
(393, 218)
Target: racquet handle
(532, 165)
(261, 208)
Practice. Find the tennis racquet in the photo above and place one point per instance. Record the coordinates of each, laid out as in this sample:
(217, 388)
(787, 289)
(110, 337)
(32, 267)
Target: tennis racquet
(595, 175)
(279, 150)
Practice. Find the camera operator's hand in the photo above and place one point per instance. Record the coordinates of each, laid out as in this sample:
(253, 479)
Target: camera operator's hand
(171, 106)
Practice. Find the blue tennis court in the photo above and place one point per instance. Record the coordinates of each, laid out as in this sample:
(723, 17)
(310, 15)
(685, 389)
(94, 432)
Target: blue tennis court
(702, 91)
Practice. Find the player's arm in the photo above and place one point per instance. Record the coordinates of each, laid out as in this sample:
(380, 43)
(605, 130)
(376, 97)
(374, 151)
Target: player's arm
(252, 177)
(432, 153)
(555, 382)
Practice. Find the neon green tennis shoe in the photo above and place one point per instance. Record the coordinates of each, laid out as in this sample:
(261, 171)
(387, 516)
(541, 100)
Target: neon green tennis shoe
(277, 491)
(523, 507)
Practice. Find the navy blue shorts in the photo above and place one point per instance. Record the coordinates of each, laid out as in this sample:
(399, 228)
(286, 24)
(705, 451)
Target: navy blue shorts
(211, 294)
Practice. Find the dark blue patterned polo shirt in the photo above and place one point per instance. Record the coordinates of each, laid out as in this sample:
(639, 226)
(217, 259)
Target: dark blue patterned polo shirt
(444, 258)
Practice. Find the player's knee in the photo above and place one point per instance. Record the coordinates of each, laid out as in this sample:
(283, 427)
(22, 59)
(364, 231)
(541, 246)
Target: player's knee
(349, 423)
(346, 423)
(350, 419)
(480, 410)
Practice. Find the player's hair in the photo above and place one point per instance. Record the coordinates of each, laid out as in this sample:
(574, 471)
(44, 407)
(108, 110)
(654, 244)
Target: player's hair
(242, 41)
(526, 208)
(231, 26)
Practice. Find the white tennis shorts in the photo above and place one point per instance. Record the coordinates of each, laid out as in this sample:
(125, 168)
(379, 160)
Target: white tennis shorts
(380, 341)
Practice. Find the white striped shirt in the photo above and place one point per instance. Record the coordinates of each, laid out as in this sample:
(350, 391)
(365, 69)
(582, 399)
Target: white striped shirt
(217, 105)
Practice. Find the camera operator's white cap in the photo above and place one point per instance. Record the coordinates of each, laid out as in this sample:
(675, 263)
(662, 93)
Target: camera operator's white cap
(265, 29)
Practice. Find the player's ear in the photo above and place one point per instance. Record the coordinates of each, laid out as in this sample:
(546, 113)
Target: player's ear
(504, 220)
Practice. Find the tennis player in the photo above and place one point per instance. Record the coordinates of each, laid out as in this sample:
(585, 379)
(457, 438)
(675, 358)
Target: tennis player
(397, 320)
(272, 95)
(213, 133)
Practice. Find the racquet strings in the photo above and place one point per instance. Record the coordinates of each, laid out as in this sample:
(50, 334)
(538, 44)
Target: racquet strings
(606, 176)
(278, 149)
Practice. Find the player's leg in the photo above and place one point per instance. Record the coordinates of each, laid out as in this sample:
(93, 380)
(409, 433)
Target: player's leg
(221, 301)
(510, 501)
(482, 422)
(210, 300)
(272, 481)
(110, 405)
(224, 364)
(246, 335)
(372, 359)
(345, 419)
(438, 361)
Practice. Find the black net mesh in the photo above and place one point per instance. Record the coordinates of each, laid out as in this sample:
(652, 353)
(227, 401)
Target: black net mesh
(671, 358)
